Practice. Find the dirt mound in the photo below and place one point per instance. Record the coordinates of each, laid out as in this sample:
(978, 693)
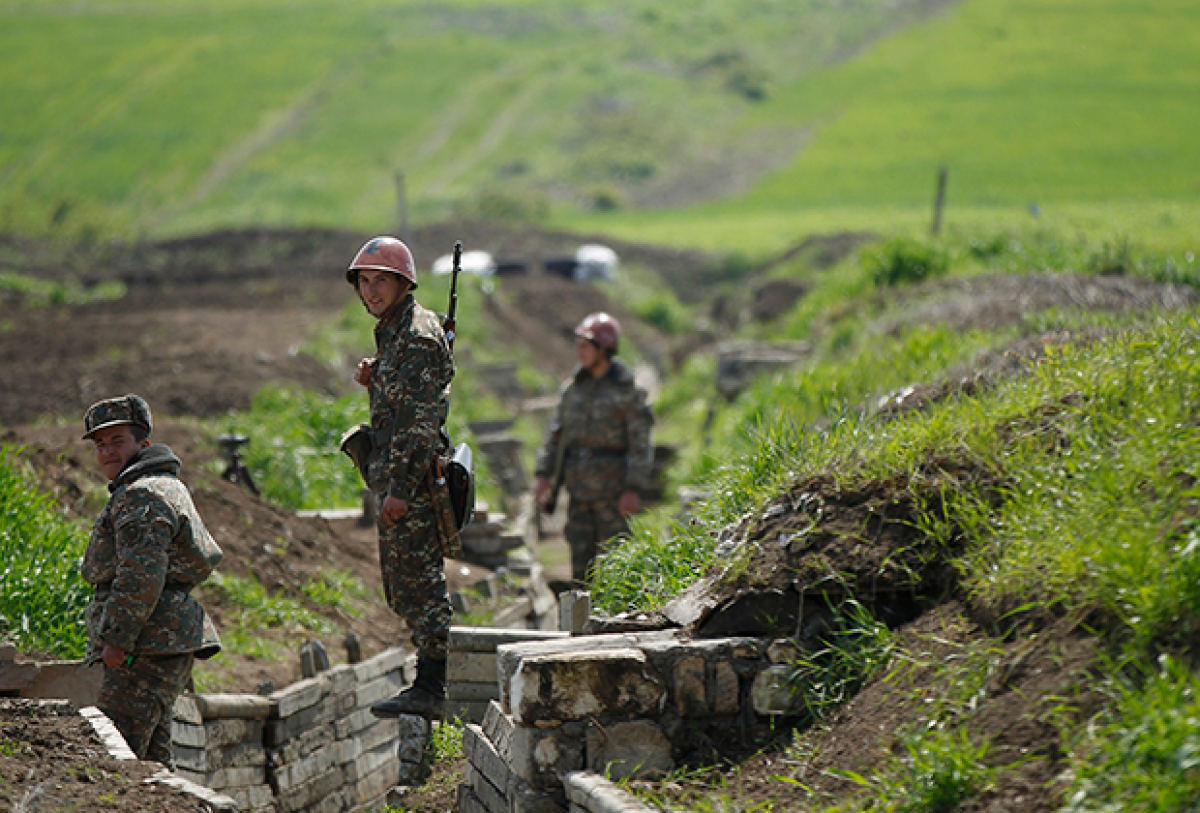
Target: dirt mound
(999, 300)
(56, 761)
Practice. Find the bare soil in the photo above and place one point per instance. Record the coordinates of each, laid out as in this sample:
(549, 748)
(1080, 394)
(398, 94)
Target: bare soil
(52, 761)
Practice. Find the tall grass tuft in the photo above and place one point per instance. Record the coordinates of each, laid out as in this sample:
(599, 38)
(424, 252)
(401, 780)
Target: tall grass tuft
(42, 595)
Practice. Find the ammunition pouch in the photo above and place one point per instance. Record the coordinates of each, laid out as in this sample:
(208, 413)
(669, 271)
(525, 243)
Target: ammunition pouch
(358, 442)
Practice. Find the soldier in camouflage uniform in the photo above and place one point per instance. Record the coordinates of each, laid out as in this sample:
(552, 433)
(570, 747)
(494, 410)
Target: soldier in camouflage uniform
(604, 421)
(409, 385)
(148, 549)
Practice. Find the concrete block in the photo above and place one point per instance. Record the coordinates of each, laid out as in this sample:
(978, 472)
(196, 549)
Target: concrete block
(498, 727)
(187, 735)
(486, 639)
(297, 697)
(278, 732)
(384, 731)
(474, 691)
(480, 752)
(187, 711)
(581, 684)
(469, 801)
(240, 706)
(771, 693)
(333, 803)
(108, 733)
(374, 785)
(689, 690)
(368, 762)
(295, 774)
(379, 689)
(303, 744)
(342, 679)
(598, 795)
(356, 722)
(255, 797)
(574, 607)
(492, 797)
(509, 656)
(472, 667)
(223, 733)
(235, 777)
(726, 694)
(634, 750)
(386, 662)
(207, 760)
(542, 756)
(300, 796)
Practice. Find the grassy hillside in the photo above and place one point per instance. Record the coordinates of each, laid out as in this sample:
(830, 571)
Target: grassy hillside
(1083, 108)
(812, 116)
(183, 115)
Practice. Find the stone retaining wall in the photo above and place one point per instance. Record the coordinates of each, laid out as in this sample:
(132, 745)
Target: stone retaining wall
(619, 705)
(310, 747)
(471, 672)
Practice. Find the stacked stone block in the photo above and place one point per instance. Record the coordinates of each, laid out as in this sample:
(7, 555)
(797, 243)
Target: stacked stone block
(326, 752)
(471, 673)
(618, 705)
(218, 743)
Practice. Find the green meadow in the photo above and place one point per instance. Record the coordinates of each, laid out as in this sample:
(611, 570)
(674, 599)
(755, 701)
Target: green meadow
(740, 124)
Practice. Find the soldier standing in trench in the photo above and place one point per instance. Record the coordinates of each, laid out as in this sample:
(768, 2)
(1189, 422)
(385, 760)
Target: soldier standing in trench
(598, 445)
(409, 385)
(148, 549)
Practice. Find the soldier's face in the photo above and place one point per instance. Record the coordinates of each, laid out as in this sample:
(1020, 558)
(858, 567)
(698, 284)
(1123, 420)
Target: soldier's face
(381, 290)
(115, 445)
(587, 352)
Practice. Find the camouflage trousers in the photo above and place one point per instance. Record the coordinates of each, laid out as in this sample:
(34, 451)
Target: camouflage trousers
(590, 525)
(414, 575)
(140, 700)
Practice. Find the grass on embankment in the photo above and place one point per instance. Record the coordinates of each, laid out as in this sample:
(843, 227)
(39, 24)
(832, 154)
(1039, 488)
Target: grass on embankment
(1087, 508)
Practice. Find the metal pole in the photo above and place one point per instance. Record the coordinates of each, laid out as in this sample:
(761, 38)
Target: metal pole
(940, 201)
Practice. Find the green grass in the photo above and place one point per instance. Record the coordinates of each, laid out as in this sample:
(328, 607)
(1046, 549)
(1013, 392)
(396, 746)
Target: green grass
(183, 115)
(42, 595)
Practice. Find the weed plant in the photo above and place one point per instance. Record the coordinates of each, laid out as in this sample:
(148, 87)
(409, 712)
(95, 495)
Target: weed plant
(42, 595)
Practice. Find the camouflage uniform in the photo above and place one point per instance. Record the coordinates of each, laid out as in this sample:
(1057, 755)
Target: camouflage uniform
(409, 390)
(148, 549)
(606, 423)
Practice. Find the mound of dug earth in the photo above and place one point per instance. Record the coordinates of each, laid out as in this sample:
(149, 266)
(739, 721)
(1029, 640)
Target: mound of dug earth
(52, 759)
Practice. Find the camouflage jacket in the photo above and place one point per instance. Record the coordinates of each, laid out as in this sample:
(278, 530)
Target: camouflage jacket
(606, 424)
(148, 549)
(410, 397)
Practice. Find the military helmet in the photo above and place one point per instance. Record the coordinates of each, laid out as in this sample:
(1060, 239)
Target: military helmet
(127, 409)
(600, 329)
(383, 254)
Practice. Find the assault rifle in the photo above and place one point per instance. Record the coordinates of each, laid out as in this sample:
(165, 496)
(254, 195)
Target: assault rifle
(450, 323)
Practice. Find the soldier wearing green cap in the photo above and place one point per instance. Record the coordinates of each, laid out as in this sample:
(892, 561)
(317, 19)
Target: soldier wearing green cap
(148, 549)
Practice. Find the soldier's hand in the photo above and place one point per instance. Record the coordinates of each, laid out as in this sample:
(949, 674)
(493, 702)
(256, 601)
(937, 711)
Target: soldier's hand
(363, 374)
(630, 503)
(113, 657)
(541, 491)
(393, 509)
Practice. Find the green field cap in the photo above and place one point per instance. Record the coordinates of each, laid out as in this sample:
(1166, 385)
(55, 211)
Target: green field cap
(127, 409)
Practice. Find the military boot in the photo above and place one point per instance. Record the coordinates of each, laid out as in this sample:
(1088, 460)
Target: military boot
(423, 698)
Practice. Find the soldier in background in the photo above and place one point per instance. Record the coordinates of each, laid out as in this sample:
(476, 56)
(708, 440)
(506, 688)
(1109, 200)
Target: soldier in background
(598, 446)
(148, 549)
(409, 385)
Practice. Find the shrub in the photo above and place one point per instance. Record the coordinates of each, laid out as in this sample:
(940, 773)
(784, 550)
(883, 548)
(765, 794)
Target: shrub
(901, 261)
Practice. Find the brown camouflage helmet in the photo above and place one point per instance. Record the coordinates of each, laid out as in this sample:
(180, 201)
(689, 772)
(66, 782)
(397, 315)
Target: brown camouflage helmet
(127, 409)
